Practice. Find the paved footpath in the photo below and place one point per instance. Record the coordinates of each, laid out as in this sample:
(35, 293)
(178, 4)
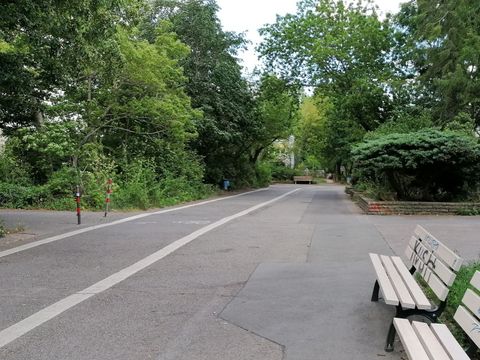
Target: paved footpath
(281, 273)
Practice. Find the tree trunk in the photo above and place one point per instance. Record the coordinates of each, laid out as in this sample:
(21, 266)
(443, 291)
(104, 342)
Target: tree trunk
(338, 171)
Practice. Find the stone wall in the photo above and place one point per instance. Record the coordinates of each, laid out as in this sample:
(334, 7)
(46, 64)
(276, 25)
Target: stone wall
(373, 207)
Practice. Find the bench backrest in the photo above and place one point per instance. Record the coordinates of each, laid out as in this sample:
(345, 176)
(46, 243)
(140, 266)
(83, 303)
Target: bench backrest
(435, 262)
(468, 314)
(303, 178)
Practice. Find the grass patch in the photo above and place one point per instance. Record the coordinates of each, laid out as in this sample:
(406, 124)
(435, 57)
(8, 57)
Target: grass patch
(6, 231)
(457, 291)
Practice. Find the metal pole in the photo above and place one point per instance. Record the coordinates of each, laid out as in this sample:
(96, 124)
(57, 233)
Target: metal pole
(77, 198)
(107, 198)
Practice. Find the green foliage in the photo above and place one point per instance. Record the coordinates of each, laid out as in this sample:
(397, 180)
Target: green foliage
(339, 50)
(3, 231)
(426, 165)
(276, 107)
(216, 87)
(93, 97)
(402, 122)
(457, 291)
(45, 149)
(280, 172)
(12, 169)
(140, 187)
(263, 172)
(440, 39)
(310, 132)
(48, 47)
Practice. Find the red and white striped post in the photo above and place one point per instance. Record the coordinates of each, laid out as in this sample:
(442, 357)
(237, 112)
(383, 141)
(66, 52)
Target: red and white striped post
(107, 197)
(77, 199)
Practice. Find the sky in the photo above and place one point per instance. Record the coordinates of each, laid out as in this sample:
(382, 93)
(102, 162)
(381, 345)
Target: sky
(249, 15)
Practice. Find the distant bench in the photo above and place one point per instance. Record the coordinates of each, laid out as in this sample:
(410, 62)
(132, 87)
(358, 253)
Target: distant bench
(433, 261)
(424, 342)
(305, 178)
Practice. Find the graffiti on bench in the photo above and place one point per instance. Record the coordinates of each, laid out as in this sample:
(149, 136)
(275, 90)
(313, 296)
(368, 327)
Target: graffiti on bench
(423, 260)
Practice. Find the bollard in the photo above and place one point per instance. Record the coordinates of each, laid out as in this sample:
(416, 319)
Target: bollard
(107, 197)
(77, 199)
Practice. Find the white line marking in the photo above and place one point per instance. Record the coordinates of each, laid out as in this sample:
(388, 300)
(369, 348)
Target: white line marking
(22, 327)
(116, 222)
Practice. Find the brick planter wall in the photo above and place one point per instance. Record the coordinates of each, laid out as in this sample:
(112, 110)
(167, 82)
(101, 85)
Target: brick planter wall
(373, 207)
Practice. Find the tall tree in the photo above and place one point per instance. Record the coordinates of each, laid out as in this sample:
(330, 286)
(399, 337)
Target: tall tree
(276, 110)
(47, 46)
(215, 84)
(342, 52)
(444, 44)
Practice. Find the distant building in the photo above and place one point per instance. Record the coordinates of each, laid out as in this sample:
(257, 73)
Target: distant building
(284, 151)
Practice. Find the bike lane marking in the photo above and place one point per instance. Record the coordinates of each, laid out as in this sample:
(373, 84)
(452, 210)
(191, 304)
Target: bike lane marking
(22, 327)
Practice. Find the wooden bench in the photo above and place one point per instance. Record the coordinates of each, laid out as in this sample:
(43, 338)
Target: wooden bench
(429, 258)
(305, 178)
(435, 341)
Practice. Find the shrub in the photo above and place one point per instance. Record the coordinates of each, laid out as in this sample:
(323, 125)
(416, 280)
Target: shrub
(281, 172)
(429, 165)
(263, 172)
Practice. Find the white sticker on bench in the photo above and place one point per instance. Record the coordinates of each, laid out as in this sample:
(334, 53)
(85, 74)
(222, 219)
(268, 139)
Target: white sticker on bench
(420, 256)
(448, 341)
(468, 323)
(399, 286)
(472, 302)
(430, 343)
(410, 341)
(420, 299)
(387, 289)
(439, 249)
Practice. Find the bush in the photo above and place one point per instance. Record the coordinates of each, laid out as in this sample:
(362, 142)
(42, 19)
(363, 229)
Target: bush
(139, 186)
(263, 172)
(20, 196)
(428, 165)
(281, 172)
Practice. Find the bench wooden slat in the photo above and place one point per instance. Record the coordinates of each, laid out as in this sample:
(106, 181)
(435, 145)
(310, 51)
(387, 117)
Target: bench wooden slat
(417, 252)
(472, 302)
(437, 285)
(410, 341)
(439, 249)
(389, 294)
(430, 342)
(420, 299)
(476, 280)
(451, 345)
(306, 178)
(399, 286)
(468, 323)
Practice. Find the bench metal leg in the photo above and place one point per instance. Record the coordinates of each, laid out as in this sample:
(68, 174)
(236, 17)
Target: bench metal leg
(390, 338)
(471, 349)
(376, 289)
(431, 315)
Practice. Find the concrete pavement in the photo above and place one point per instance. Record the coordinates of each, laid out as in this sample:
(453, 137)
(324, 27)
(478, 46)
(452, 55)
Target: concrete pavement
(291, 280)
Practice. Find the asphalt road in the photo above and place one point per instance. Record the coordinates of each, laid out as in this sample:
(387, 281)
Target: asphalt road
(274, 274)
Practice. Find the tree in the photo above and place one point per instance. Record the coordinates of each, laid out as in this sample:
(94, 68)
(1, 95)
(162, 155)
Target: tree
(215, 85)
(443, 41)
(341, 51)
(46, 47)
(276, 110)
(145, 112)
(310, 130)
